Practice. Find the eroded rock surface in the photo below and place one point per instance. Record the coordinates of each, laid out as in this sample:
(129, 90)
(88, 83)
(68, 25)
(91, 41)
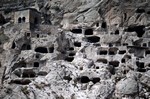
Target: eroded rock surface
(74, 49)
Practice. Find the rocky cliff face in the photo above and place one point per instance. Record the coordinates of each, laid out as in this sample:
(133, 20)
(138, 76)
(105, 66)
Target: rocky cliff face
(75, 49)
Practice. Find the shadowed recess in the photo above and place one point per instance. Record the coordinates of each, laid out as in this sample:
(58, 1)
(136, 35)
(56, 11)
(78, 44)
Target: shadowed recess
(41, 50)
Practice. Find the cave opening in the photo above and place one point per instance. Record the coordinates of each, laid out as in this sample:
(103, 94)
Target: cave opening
(111, 53)
(97, 67)
(140, 64)
(77, 44)
(97, 24)
(72, 53)
(141, 70)
(69, 59)
(84, 79)
(23, 64)
(112, 70)
(123, 60)
(28, 74)
(67, 78)
(93, 39)
(37, 56)
(147, 52)
(19, 65)
(38, 35)
(26, 47)
(148, 65)
(122, 51)
(51, 49)
(110, 45)
(102, 60)
(117, 32)
(139, 10)
(148, 12)
(41, 50)
(138, 29)
(144, 45)
(81, 68)
(23, 19)
(71, 49)
(42, 73)
(21, 82)
(114, 63)
(36, 64)
(28, 34)
(88, 32)
(17, 74)
(104, 25)
(103, 52)
(125, 44)
(128, 56)
(95, 80)
(19, 20)
(13, 45)
(76, 31)
(125, 71)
